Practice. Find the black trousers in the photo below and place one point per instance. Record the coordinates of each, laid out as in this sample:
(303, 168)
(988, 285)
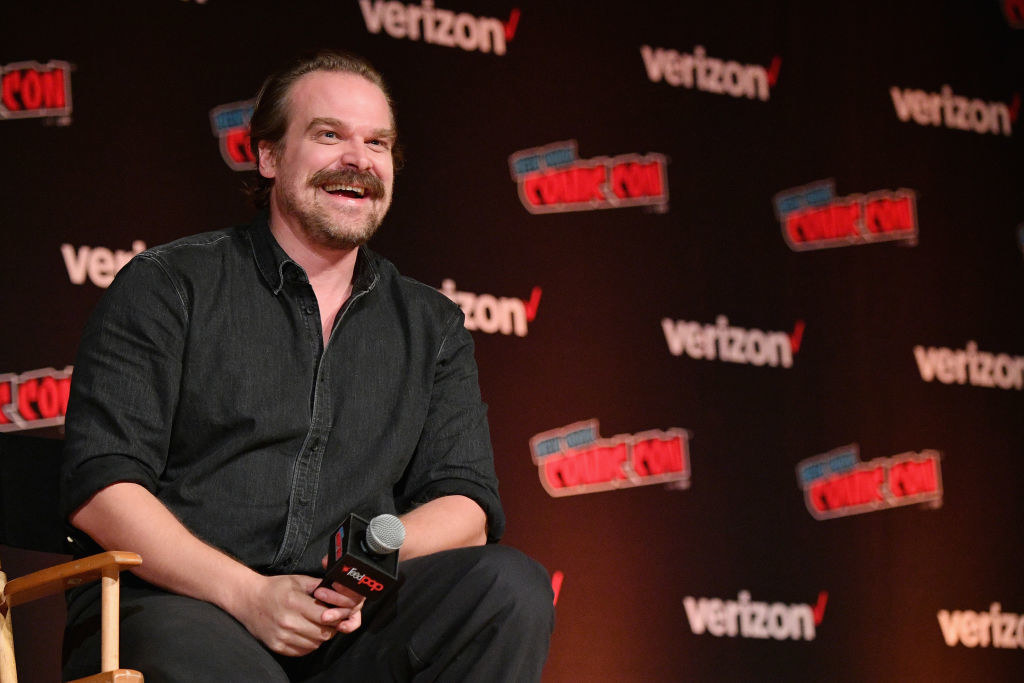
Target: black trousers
(471, 614)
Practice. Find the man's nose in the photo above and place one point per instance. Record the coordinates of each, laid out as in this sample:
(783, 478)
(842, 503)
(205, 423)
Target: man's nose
(355, 155)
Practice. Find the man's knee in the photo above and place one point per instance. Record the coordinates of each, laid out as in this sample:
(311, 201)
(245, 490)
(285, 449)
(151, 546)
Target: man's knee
(518, 583)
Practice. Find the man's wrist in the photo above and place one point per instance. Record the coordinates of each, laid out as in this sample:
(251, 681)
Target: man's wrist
(232, 593)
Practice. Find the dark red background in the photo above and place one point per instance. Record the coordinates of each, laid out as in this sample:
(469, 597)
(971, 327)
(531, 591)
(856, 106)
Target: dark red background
(138, 161)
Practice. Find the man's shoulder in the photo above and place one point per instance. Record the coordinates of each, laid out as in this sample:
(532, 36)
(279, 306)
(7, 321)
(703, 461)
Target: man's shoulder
(211, 242)
(409, 289)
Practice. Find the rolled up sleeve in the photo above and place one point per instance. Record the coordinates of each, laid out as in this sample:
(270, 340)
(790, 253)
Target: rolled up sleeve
(124, 389)
(454, 455)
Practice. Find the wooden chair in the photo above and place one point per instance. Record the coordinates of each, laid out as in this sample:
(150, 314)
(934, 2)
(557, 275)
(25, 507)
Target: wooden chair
(29, 470)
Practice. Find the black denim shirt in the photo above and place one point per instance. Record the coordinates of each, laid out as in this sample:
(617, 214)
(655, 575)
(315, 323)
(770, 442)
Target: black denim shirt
(202, 376)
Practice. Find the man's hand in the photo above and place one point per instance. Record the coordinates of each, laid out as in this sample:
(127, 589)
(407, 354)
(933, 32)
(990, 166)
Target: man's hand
(346, 615)
(279, 610)
(344, 598)
(286, 613)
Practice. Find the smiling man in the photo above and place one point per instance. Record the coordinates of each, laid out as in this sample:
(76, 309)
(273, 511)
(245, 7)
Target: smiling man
(238, 393)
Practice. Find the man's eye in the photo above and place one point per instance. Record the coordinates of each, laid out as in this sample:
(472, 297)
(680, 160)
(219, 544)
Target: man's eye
(329, 134)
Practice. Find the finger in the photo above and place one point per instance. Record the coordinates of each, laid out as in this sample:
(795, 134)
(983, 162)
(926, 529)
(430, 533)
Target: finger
(323, 562)
(350, 624)
(333, 617)
(294, 644)
(339, 596)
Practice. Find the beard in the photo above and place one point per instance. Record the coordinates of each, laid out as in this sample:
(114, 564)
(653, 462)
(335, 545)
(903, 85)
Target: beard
(328, 226)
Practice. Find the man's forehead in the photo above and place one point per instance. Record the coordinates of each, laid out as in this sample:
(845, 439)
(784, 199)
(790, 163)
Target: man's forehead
(325, 88)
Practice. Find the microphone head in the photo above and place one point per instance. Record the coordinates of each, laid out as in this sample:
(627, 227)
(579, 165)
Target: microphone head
(385, 534)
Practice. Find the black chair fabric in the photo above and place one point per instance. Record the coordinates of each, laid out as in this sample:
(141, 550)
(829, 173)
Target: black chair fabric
(29, 493)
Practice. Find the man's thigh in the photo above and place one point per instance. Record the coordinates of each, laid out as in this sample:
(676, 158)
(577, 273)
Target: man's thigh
(168, 638)
(481, 613)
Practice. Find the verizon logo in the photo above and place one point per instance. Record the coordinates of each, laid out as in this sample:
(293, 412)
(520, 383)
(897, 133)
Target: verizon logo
(994, 628)
(98, 264)
(747, 618)
(439, 26)
(723, 341)
(954, 111)
(970, 366)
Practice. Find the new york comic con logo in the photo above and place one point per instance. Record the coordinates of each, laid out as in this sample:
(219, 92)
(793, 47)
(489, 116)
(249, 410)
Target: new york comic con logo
(553, 179)
(837, 483)
(38, 398)
(575, 459)
(230, 123)
(813, 217)
(34, 90)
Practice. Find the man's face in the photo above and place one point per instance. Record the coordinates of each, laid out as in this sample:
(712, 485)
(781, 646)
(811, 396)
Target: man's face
(333, 170)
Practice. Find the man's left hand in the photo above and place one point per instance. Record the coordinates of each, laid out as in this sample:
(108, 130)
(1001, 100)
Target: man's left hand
(345, 613)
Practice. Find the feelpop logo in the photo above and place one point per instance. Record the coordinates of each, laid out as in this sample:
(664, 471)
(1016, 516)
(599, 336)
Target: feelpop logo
(34, 90)
(439, 26)
(746, 618)
(490, 314)
(38, 398)
(553, 179)
(230, 123)
(575, 459)
(813, 217)
(838, 484)
(709, 74)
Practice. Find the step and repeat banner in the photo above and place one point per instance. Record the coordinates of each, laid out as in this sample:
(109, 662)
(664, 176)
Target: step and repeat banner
(745, 282)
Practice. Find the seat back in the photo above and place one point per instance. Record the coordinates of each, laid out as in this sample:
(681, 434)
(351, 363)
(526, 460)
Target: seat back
(32, 537)
(30, 492)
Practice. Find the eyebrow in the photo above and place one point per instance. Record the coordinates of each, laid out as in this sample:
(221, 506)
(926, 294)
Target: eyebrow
(332, 122)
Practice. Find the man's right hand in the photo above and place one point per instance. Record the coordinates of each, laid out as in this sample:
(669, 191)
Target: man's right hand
(282, 613)
(278, 610)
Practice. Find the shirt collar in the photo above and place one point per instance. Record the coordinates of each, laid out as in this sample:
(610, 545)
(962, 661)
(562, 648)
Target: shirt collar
(275, 265)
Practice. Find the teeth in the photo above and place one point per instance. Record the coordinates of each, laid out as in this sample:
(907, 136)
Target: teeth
(345, 188)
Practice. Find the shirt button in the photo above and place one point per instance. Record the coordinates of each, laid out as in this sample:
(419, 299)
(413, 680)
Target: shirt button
(309, 310)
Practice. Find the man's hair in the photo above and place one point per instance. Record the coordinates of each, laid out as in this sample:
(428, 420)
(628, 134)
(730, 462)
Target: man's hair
(270, 114)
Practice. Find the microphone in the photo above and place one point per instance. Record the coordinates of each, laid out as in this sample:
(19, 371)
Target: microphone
(363, 554)
(385, 534)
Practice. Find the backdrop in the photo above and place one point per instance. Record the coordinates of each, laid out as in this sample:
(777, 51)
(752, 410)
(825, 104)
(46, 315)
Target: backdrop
(745, 281)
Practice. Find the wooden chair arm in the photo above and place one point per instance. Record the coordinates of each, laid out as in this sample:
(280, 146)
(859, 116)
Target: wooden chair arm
(119, 676)
(63, 576)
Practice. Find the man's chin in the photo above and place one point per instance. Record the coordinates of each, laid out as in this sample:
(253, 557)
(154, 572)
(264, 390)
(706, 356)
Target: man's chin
(340, 237)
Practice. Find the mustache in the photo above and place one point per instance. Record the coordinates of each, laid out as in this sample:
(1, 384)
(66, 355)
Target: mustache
(348, 176)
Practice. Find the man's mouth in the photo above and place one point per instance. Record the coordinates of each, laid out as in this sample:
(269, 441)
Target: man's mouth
(352, 191)
(348, 183)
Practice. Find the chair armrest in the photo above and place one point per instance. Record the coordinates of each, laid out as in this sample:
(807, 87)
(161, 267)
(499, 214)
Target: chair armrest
(63, 576)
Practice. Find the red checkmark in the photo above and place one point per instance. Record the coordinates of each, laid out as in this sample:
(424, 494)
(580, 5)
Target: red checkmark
(797, 337)
(819, 609)
(532, 304)
(773, 70)
(556, 585)
(511, 25)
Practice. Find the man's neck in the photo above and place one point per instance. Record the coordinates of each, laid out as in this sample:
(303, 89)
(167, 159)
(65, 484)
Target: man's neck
(330, 269)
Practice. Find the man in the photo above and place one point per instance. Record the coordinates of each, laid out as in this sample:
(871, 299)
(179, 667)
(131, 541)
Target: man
(238, 393)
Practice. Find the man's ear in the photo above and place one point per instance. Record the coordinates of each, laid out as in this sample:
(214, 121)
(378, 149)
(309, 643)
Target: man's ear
(267, 163)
